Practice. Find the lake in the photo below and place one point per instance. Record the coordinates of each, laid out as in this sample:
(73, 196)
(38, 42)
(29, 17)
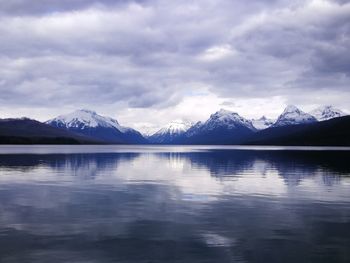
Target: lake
(174, 204)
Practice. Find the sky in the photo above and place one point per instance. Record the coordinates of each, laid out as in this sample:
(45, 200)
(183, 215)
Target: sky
(148, 62)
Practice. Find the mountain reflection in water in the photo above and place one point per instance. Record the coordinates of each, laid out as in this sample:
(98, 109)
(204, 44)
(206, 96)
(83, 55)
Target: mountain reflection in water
(214, 205)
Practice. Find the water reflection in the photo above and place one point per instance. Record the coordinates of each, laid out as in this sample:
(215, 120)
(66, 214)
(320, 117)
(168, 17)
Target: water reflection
(293, 166)
(216, 205)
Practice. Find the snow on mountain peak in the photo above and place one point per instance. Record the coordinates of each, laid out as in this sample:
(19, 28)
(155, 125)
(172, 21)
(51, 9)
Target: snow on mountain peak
(291, 109)
(222, 114)
(227, 118)
(292, 116)
(175, 128)
(86, 119)
(327, 112)
(170, 132)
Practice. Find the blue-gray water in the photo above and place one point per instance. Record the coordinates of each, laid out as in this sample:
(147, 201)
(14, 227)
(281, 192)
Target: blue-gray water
(174, 204)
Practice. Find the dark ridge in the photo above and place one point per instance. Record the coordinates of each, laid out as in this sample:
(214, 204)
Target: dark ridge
(38, 140)
(334, 132)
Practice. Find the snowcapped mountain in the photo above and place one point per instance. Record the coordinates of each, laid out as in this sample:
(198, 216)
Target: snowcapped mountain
(262, 123)
(327, 112)
(90, 123)
(223, 127)
(292, 116)
(84, 119)
(170, 132)
(227, 119)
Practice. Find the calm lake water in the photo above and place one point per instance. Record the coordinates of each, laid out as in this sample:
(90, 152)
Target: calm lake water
(174, 204)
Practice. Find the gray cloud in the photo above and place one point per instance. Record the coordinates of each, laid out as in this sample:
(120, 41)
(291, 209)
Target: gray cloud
(37, 7)
(151, 54)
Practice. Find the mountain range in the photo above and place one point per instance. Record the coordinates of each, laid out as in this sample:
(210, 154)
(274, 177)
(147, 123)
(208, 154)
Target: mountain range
(292, 127)
(226, 127)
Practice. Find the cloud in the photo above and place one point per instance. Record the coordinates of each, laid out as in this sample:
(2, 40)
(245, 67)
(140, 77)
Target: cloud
(39, 7)
(154, 55)
(217, 53)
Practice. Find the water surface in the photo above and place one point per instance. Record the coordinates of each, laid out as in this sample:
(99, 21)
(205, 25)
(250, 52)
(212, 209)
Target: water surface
(174, 204)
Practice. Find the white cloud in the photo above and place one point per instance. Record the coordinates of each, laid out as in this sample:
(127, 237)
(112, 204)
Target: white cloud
(217, 53)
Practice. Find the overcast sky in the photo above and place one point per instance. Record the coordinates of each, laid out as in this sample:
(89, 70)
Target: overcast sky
(148, 62)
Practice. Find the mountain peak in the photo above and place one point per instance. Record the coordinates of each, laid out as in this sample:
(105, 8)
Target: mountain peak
(84, 118)
(222, 127)
(174, 128)
(228, 119)
(223, 112)
(291, 108)
(171, 131)
(90, 123)
(327, 112)
(292, 116)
